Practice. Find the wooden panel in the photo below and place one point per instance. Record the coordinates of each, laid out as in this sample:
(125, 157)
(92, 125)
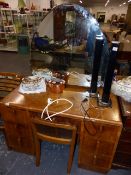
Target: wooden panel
(87, 161)
(128, 17)
(88, 145)
(105, 148)
(23, 130)
(13, 141)
(124, 147)
(127, 123)
(103, 162)
(126, 135)
(10, 114)
(122, 159)
(99, 163)
(59, 24)
(7, 114)
(99, 148)
(109, 132)
(18, 129)
(11, 129)
(19, 137)
(27, 145)
(124, 56)
(103, 132)
(123, 151)
(21, 116)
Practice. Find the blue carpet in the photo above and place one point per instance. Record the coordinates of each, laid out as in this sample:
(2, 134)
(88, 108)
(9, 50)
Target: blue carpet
(53, 162)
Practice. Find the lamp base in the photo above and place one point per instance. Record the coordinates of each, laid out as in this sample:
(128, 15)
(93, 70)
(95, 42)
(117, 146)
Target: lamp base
(93, 95)
(104, 104)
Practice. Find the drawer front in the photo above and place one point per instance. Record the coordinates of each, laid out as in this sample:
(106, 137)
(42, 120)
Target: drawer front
(8, 114)
(109, 133)
(11, 129)
(101, 132)
(17, 129)
(22, 116)
(97, 145)
(16, 116)
(94, 162)
(19, 137)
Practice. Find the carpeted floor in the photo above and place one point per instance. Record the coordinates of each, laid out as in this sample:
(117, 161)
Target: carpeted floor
(53, 162)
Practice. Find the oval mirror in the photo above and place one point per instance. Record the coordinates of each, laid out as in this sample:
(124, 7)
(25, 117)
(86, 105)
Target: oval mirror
(71, 33)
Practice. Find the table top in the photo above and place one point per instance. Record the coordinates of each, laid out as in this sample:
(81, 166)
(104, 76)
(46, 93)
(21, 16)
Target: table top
(37, 102)
(73, 51)
(80, 80)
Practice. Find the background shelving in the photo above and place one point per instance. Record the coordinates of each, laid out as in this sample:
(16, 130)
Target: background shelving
(12, 23)
(7, 27)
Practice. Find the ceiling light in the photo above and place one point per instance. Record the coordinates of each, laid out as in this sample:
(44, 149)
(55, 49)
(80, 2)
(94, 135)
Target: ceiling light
(80, 1)
(124, 3)
(107, 2)
(129, 0)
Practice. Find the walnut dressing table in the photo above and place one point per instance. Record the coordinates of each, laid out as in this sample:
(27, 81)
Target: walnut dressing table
(98, 136)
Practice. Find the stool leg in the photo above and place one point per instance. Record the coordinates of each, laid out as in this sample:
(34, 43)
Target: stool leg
(71, 152)
(37, 148)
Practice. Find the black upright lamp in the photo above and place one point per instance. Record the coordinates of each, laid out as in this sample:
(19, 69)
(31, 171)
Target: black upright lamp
(96, 65)
(105, 100)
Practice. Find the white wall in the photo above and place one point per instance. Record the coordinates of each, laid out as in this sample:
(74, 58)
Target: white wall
(109, 11)
(57, 2)
(46, 26)
(44, 4)
(40, 4)
(12, 3)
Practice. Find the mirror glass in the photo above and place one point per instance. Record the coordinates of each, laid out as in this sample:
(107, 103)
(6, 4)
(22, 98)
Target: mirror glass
(72, 31)
(70, 21)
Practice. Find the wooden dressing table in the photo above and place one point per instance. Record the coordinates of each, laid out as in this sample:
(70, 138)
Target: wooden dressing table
(98, 136)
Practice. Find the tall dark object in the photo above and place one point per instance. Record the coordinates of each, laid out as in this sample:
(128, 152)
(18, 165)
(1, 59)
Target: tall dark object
(110, 72)
(51, 4)
(96, 64)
